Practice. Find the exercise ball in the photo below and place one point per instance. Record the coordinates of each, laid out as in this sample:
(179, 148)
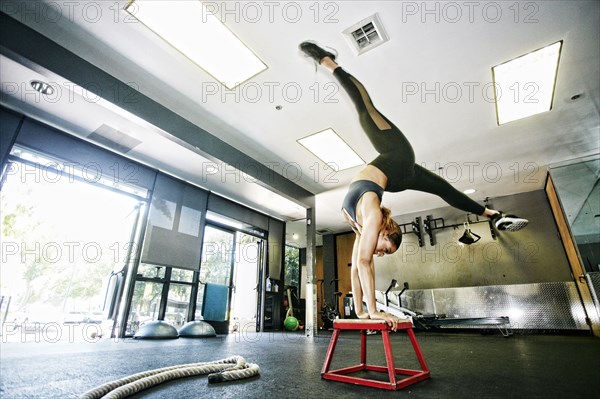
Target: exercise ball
(157, 329)
(197, 329)
(291, 323)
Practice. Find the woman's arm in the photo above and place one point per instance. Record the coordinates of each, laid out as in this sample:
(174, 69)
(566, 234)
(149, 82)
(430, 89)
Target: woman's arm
(357, 294)
(371, 226)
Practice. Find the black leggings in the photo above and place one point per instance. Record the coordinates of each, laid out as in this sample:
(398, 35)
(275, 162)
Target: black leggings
(397, 158)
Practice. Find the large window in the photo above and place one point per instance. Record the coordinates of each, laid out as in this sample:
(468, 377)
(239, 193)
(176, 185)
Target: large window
(147, 299)
(145, 306)
(178, 300)
(62, 237)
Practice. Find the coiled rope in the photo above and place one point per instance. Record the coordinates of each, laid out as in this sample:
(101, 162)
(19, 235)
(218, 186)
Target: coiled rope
(229, 369)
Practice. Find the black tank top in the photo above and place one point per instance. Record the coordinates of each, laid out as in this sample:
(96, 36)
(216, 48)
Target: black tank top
(356, 190)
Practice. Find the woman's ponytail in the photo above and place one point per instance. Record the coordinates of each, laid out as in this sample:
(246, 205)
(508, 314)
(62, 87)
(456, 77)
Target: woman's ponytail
(390, 228)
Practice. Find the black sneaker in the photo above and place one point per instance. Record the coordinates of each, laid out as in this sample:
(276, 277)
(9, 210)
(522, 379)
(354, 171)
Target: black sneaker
(315, 52)
(503, 221)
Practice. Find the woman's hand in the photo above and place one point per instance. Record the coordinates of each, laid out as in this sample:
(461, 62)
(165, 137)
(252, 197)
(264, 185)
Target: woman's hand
(390, 319)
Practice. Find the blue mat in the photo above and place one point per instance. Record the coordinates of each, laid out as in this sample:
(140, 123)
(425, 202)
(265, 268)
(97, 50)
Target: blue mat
(214, 304)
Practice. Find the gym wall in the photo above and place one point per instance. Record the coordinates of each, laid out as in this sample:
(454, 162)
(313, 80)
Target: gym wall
(524, 275)
(532, 255)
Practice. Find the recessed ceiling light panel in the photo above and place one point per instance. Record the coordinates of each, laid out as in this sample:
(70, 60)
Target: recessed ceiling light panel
(198, 34)
(332, 150)
(525, 85)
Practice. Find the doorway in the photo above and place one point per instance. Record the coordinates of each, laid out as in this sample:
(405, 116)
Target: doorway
(229, 279)
(244, 309)
(216, 269)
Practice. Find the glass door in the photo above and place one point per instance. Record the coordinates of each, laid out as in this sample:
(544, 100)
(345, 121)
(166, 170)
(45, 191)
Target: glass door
(245, 290)
(214, 289)
(573, 190)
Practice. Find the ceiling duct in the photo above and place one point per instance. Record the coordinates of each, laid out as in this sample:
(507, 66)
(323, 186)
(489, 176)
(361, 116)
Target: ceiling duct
(366, 34)
(112, 138)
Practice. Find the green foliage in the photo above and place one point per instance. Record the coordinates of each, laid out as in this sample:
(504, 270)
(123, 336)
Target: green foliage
(49, 270)
(292, 266)
(20, 229)
(217, 256)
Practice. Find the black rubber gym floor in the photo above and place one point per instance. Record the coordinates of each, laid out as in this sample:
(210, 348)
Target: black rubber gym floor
(463, 365)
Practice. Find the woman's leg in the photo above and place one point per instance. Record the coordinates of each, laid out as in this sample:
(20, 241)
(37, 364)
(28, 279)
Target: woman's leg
(382, 133)
(397, 157)
(427, 181)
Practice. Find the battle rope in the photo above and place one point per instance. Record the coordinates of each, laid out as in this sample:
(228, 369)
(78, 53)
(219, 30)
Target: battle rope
(230, 369)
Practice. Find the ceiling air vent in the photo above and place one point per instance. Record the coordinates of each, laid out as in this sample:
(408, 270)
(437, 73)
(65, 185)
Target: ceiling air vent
(112, 138)
(366, 34)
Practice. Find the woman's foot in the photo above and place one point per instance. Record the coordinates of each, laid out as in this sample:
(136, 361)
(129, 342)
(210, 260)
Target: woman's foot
(503, 221)
(315, 52)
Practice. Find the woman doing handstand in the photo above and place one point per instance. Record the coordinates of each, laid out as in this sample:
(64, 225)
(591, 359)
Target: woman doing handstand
(393, 170)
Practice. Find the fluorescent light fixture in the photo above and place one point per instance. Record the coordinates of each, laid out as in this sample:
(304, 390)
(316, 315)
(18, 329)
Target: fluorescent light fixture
(332, 150)
(469, 191)
(51, 164)
(198, 34)
(215, 217)
(525, 85)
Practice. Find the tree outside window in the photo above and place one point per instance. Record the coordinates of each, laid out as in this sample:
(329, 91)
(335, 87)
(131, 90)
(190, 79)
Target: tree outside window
(292, 267)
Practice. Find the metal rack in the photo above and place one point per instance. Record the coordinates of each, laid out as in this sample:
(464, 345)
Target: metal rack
(421, 227)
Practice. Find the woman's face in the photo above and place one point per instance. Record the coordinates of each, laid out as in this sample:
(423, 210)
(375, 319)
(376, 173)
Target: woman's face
(384, 246)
